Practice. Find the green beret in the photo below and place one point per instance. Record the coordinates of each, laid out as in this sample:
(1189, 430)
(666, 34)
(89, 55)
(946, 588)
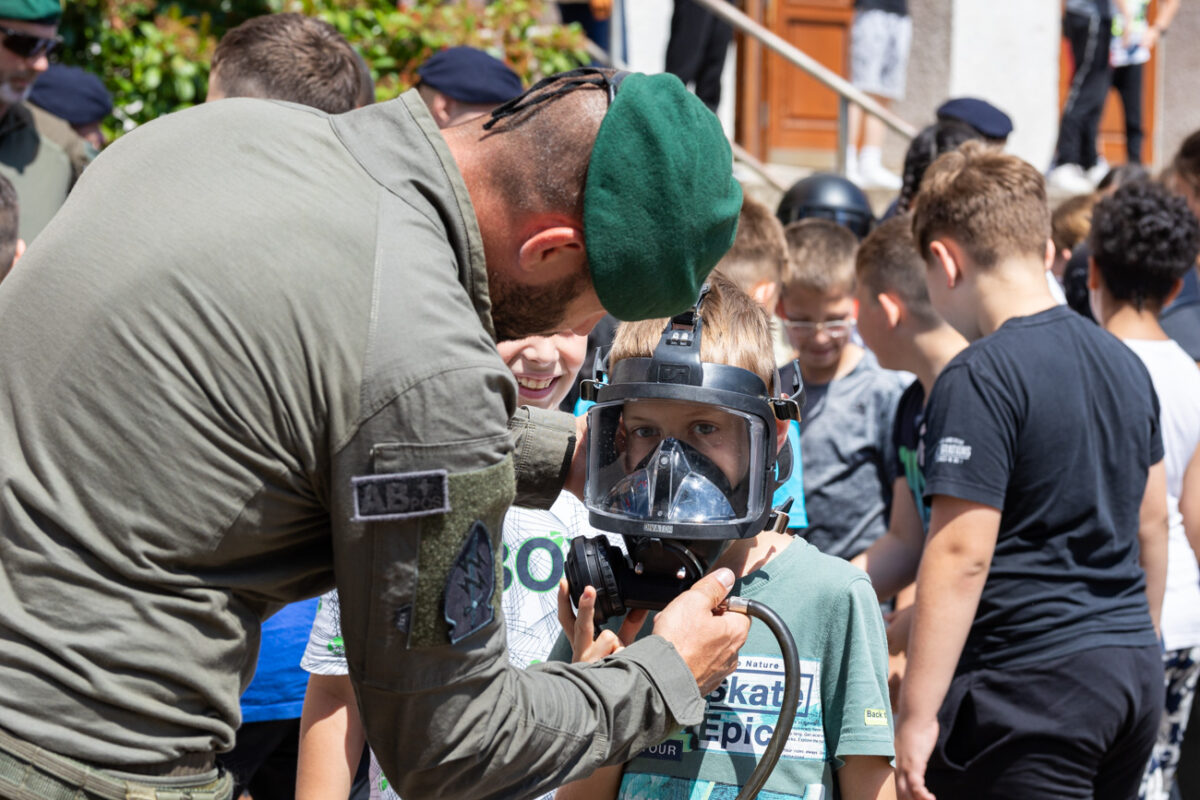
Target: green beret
(660, 206)
(44, 11)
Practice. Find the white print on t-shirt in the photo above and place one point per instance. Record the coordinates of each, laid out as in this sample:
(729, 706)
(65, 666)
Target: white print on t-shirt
(742, 713)
(952, 450)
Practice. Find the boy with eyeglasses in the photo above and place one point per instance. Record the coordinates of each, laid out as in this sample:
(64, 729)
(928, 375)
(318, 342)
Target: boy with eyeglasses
(846, 422)
(39, 153)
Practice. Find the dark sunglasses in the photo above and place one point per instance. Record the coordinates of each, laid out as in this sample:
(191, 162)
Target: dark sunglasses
(25, 45)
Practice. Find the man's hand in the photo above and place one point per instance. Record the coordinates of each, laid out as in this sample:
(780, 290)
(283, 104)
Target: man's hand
(601, 9)
(915, 740)
(586, 647)
(707, 642)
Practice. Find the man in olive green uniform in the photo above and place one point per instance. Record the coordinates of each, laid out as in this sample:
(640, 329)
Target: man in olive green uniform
(255, 357)
(39, 153)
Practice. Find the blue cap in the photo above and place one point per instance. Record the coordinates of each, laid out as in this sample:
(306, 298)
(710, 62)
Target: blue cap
(979, 114)
(471, 76)
(72, 94)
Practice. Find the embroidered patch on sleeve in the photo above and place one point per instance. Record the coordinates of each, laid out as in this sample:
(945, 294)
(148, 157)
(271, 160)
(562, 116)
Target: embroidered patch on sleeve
(469, 586)
(400, 495)
(875, 717)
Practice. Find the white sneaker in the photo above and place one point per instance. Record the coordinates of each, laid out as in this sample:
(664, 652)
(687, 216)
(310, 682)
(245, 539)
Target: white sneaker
(1098, 172)
(872, 172)
(876, 176)
(1070, 178)
(852, 173)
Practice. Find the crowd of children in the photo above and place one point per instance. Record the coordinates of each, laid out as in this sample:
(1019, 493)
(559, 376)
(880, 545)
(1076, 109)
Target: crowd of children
(990, 565)
(1020, 484)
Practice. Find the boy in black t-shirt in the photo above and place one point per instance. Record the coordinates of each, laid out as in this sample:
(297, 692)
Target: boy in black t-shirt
(1033, 666)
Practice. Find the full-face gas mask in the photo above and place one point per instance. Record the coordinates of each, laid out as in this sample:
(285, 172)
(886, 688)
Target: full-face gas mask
(681, 460)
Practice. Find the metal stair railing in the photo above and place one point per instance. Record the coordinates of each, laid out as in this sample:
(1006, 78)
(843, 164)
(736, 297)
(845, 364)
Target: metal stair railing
(847, 92)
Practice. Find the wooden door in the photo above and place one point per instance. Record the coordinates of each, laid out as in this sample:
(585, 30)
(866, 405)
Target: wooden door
(1110, 142)
(787, 116)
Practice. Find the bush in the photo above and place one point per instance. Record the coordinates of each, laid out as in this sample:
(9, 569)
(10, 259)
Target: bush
(154, 56)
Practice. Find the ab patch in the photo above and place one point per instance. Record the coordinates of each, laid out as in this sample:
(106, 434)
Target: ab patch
(401, 495)
(470, 584)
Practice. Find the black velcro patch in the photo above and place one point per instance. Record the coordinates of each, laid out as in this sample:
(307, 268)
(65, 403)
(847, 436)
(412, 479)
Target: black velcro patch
(469, 586)
(401, 495)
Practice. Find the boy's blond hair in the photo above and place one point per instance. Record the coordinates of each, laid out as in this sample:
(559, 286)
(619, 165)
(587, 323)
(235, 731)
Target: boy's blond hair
(991, 203)
(1071, 221)
(820, 257)
(736, 332)
(759, 251)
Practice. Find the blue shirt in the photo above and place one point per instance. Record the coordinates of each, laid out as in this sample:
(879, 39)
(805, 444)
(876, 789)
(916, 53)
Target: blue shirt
(277, 691)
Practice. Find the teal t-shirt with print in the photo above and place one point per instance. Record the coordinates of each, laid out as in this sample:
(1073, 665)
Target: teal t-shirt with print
(833, 614)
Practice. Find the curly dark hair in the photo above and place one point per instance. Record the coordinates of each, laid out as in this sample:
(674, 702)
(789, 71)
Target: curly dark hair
(1143, 239)
(923, 150)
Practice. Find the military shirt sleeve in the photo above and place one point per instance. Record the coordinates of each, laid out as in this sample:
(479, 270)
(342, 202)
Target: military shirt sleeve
(419, 492)
(543, 444)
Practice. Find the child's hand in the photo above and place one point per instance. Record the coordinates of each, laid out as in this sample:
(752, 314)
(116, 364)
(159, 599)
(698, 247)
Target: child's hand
(585, 646)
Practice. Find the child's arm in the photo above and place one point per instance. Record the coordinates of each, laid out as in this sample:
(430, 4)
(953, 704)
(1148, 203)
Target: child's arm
(892, 560)
(1152, 539)
(1189, 503)
(866, 778)
(954, 568)
(331, 739)
(604, 783)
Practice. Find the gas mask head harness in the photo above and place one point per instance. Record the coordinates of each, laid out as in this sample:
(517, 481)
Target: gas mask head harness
(681, 460)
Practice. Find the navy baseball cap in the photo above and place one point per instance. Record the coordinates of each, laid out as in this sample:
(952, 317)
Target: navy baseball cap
(471, 76)
(979, 114)
(72, 94)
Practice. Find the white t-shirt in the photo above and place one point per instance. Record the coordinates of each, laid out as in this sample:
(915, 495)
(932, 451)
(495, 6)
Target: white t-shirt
(1177, 381)
(535, 550)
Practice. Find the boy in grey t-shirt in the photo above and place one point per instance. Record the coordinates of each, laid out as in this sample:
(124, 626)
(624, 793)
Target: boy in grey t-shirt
(845, 429)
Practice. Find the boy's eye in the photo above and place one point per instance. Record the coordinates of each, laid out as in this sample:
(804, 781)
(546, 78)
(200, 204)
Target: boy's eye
(645, 432)
(705, 428)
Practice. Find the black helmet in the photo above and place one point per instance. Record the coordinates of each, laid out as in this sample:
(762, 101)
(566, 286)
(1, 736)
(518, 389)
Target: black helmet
(824, 195)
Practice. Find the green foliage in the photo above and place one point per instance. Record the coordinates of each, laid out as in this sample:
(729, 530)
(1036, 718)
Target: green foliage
(154, 56)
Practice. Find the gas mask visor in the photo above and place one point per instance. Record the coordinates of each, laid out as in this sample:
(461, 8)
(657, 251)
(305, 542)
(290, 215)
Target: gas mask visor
(677, 468)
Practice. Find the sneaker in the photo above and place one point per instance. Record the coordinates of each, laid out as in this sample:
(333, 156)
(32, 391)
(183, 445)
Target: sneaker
(852, 173)
(1070, 178)
(1098, 172)
(876, 176)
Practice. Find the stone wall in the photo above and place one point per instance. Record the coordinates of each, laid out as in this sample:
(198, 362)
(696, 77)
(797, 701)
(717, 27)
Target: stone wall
(1178, 83)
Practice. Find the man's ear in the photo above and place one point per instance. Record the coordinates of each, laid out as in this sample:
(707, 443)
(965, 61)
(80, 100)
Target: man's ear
(442, 108)
(1093, 279)
(948, 257)
(552, 253)
(20, 251)
(892, 308)
(1051, 250)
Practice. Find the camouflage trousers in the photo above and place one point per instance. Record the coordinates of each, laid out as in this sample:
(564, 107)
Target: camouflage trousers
(1182, 669)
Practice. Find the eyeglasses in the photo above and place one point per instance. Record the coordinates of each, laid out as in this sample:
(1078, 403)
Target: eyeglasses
(835, 328)
(26, 45)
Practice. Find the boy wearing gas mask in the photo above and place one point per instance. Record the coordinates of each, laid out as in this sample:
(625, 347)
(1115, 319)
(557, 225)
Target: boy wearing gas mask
(682, 462)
